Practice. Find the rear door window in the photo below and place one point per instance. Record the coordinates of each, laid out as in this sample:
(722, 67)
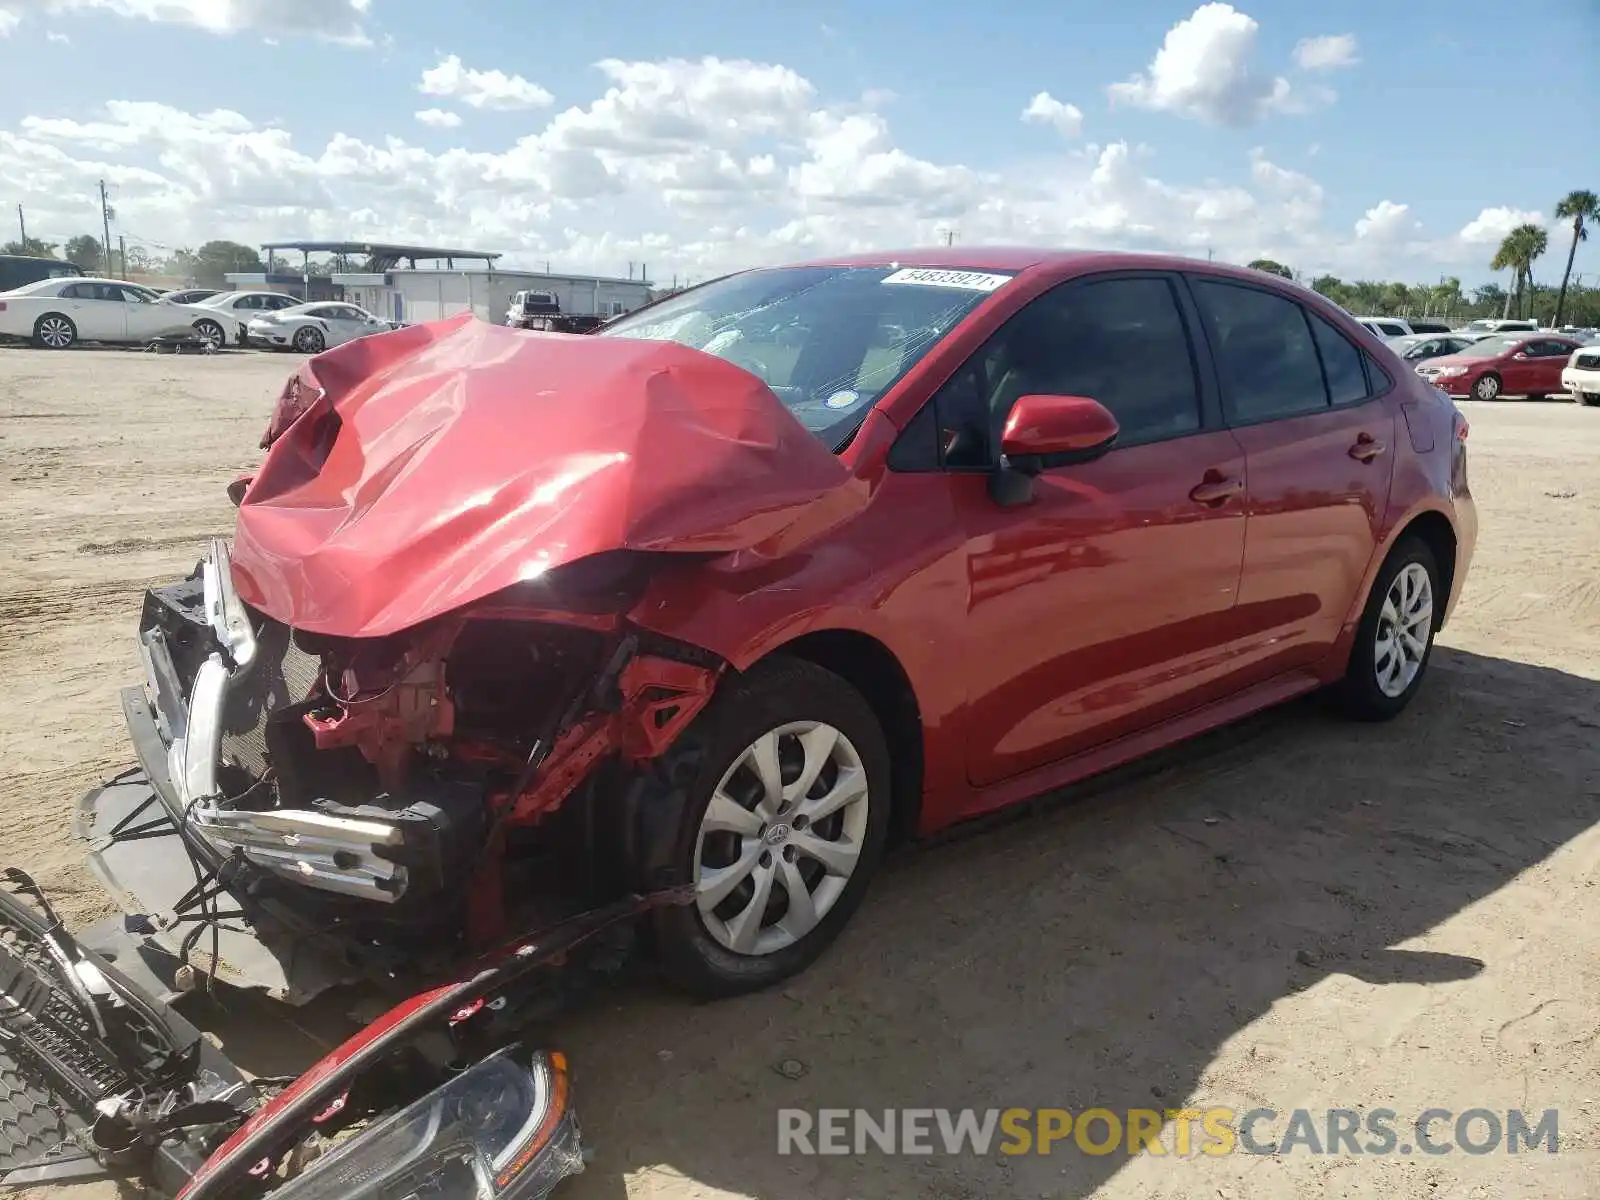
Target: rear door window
(1265, 352)
(1341, 363)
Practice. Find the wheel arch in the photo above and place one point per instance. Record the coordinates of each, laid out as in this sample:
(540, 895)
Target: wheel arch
(639, 809)
(1436, 531)
(869, 666)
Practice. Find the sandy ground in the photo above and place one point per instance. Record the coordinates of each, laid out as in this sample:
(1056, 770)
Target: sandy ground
(1297, 913)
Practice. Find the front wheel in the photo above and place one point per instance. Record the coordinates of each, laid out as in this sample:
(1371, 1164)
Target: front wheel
(308, 339)
(783, 831)
(1395, 638)
(1487, 388)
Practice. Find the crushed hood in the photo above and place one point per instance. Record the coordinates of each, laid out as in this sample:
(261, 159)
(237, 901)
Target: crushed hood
(444, 462)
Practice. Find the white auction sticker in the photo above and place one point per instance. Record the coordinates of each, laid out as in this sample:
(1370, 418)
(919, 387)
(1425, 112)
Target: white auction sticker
(969, 281)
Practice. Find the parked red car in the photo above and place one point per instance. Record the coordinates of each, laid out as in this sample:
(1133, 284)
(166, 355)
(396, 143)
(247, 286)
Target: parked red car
(681, 622)
(752, 579)
(1516, 365)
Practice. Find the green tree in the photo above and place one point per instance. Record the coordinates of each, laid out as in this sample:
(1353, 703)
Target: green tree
(1517, 253)
(1271, 267)
(209, 265)
(33, 247)
(1580, 208)
(85, 250)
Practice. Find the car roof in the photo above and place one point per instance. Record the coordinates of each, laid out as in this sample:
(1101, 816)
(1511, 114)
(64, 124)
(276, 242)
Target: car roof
(1020, 259)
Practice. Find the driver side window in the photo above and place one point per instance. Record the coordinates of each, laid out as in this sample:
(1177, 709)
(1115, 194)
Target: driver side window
(1122, 342)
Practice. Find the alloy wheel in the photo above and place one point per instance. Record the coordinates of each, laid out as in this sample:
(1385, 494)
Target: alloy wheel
(781, 837)
(56, 332)
(1486, 388)
(1404, 627)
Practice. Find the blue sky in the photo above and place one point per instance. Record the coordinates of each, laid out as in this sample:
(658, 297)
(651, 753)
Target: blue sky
(906, 121)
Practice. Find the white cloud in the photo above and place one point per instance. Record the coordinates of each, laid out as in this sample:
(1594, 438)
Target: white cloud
(334, 20)
(1206, 70)
(1491, 225)
(482, 89)
(692, 166)
(438, 118)
(1045, 109)
(1386, 221)
(1329, 52)
(8, 21)
(60, 39)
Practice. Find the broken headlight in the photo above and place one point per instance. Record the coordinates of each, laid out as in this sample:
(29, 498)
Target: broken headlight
(502, 1130)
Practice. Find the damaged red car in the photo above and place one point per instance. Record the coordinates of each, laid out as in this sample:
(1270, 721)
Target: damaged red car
(684, 621)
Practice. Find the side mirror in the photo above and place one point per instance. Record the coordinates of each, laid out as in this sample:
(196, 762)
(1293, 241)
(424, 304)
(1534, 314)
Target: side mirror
(1048, 431)
(1520, 355)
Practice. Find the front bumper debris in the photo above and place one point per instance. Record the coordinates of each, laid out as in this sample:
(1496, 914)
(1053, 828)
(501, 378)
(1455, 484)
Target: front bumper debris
(97, 1077)
(107, 1080)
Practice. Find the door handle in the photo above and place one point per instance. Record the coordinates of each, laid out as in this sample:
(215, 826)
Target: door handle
(1215, 491)
(1366, 448)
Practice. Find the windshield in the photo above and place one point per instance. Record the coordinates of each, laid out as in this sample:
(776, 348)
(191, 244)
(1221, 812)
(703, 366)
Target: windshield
(1492, 347)
(828, 341)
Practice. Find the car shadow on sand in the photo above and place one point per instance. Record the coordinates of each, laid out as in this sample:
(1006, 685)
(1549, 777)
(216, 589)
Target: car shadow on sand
(1098, 949)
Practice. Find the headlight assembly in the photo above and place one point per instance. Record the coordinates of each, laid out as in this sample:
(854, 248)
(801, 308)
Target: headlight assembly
(502, 1130)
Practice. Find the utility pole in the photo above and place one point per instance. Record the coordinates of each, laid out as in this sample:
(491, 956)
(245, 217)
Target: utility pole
(105, 222)
(22, 228)
(122, 255)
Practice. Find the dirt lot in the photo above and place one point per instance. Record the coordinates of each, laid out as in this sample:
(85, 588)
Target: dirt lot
(1298, 913)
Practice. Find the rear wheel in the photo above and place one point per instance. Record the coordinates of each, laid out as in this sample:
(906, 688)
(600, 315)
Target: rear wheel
(54, 331)
(783, 831)
(308, 339)
(1395, 637)
(1487, 388)
(211, 332)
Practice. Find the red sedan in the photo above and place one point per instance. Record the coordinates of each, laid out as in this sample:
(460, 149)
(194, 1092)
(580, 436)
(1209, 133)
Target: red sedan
(1522, 364)
(718, 600)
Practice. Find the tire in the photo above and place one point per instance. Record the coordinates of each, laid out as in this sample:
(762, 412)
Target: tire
(308, 339)
(212, 332)
(1369, 691)
(1589, 399)
(55, 331)
(695, 949)
(1487, 387)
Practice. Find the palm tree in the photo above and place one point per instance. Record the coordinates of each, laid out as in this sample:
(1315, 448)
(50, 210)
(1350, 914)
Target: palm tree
(1517, 253)
(1578, 207)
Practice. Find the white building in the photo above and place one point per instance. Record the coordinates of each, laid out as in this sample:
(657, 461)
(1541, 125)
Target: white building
(422, 295)
(385, 288)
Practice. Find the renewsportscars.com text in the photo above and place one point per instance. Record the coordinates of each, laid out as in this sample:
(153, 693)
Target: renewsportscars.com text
(1181, 1132)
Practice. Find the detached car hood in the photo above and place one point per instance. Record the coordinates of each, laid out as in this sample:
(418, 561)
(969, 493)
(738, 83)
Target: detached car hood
(444, 462)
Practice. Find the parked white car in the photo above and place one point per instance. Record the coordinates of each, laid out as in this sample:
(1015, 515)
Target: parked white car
(235, 310)
(57, 313)
(1581, 376)
(312, 328)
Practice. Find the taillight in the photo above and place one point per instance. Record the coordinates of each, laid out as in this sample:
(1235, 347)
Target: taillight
(1462, 428)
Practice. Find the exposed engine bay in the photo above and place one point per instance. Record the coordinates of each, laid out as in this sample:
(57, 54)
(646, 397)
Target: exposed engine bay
(411, 789)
